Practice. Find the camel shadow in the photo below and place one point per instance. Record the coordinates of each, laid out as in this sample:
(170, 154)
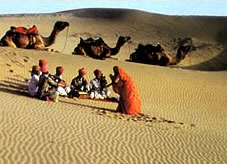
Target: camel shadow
(217, 63)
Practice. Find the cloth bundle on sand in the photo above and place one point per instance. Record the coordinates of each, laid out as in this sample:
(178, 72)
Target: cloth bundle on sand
(130, 102)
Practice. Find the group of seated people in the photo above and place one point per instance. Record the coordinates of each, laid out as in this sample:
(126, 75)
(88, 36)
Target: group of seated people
(48, 87)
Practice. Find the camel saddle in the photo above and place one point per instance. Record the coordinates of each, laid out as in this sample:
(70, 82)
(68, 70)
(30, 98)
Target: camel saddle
(33, 30)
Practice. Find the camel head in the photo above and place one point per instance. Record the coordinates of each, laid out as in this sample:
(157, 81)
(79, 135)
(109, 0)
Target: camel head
(159, 48)
(186, 48)
(59, 26)
(122, 40)
(182, 51)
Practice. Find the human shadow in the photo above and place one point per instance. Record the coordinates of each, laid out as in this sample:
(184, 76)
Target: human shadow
(140, 118)
(87, 106)
(15, 87)
(20, 90)
(25, 81)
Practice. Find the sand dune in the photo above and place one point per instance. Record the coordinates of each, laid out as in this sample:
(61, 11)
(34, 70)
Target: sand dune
(183, 116)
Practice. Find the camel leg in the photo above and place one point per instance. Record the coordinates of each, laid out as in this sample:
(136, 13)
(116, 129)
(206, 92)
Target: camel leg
(113, 58)
(11, 44)
(7, 42)
(39, 44)
(170, 59)
(39, 47)
(45, 49)
(83, 52)
(164, 59)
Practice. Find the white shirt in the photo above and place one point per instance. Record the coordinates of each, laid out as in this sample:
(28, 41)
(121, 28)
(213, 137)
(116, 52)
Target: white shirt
(33, 85)
(95, 85)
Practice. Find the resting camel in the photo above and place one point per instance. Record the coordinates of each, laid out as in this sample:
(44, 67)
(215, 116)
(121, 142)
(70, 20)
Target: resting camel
(98, 49)
(20, 37)
(149, 54)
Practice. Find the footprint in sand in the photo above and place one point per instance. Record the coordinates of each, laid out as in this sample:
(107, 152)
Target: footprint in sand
(192, 125)
(26, 80)
(154, 118)
(142, 118)
(7, 64)
(26, 57)
(17, 63)
(19, 76)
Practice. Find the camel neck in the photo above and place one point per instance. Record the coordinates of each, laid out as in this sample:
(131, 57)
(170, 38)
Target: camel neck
(51, 39)
(116, 49)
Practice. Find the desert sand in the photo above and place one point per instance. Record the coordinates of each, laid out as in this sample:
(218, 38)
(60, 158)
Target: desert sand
(184, 108)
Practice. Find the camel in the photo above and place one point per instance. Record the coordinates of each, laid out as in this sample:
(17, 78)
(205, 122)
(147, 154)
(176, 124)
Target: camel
(20, 37)
(155, 55)
(98, 49)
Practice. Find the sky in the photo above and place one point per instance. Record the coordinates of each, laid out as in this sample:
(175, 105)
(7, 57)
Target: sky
(168, 7)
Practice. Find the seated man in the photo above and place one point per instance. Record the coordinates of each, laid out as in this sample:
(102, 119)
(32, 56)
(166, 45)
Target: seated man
(98, 86)
(33, 83)
(79, 84)
(47, 86)
(62, 87)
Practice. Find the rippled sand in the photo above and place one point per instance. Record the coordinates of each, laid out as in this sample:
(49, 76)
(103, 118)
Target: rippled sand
(184, 108)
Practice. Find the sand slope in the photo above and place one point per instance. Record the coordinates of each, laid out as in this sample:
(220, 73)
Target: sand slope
(184, 108)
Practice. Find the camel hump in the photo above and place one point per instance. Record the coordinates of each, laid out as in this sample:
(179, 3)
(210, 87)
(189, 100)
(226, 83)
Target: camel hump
(23, 30)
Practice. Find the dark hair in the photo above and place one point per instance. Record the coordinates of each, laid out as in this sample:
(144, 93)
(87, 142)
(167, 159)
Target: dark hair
(97, 72)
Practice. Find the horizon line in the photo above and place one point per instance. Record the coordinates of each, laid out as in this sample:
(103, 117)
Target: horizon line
(113, 8)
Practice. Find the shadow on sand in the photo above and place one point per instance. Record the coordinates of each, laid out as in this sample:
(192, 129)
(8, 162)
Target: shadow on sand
(15, 87)
(218, 63)
(87, 106)
(20, 89)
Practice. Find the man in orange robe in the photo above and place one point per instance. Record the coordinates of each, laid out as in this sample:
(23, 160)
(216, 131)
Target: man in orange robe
(124, 86)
